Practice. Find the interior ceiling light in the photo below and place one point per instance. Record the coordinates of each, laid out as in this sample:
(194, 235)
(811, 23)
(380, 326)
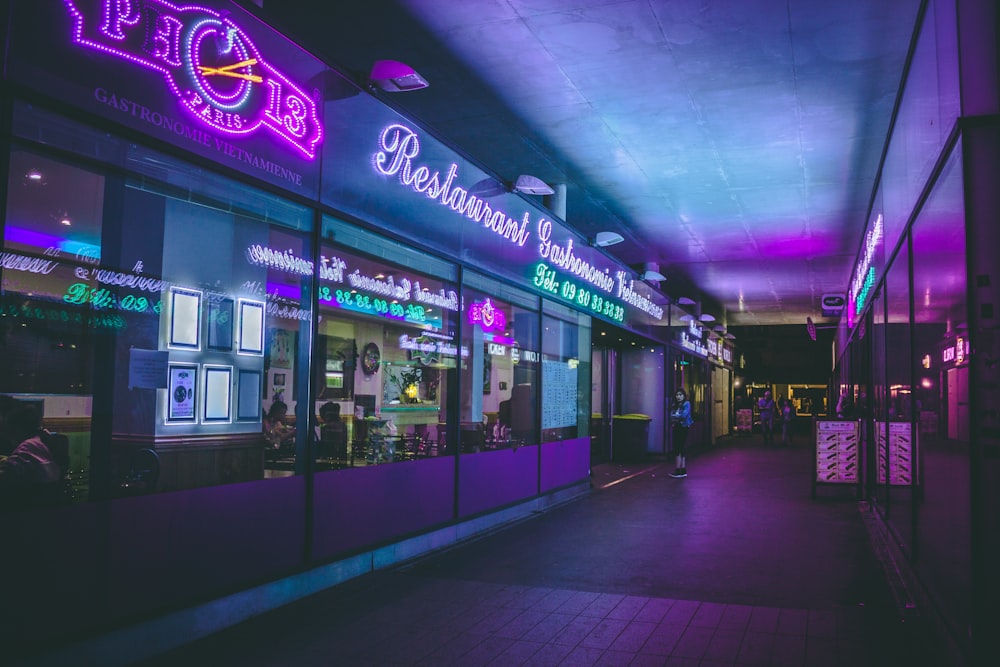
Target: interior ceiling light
(705, 317)
(685, 301)
(604, 239)
(66, 221)
(532, 185)
(393, 76)
(34, 175)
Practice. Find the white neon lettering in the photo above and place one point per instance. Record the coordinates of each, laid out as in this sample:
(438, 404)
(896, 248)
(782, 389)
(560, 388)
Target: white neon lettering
(399, 146)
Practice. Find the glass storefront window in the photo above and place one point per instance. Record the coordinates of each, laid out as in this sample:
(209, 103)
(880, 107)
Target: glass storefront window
(152, 327)
(500, 373)
(942, 550)
(566, 367)
(386, 354)
(901, 451)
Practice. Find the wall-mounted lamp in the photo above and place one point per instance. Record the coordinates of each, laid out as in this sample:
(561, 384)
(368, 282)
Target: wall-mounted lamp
(729, 336)
(492, 187)
(651, 271)
(604, 239)
(393, 76)
(532, 185)
(685, 301)
(705, 317)
(719, 328)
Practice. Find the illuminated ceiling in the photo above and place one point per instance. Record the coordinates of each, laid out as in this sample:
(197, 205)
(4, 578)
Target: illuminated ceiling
(733, 142)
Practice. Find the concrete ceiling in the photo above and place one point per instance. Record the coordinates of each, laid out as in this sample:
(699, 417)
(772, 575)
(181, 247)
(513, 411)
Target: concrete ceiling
(733, 142)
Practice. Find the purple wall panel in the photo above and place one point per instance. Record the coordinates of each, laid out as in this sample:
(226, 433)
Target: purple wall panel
(360, 507)
(496, 478)
(174, 548)
(565, 462)
(49, 560)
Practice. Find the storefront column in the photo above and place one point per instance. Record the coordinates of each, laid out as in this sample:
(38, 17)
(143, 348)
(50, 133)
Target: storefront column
(980, 92)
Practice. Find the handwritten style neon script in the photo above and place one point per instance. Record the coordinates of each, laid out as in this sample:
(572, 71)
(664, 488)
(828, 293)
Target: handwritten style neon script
(209, 64)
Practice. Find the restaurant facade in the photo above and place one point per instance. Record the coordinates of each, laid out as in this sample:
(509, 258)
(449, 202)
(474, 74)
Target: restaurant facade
(202, 221)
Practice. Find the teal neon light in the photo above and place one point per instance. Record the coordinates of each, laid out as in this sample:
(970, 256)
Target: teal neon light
(369, 305)
(579, 294)
(865, 290)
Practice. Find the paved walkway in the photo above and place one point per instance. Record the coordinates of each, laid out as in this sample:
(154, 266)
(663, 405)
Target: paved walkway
(734, 565)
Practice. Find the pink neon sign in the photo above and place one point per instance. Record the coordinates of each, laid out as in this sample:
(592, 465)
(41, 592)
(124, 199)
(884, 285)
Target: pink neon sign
(488, 316)
(210, 65)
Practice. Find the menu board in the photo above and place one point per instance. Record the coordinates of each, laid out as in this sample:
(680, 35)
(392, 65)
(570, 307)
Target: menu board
(558, 394)
(900, 445)
(837, 452)
(744, 421)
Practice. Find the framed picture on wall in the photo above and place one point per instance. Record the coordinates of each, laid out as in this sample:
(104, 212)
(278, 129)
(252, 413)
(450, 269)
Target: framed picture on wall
(182, 392)
(251, 327)
(218, 394)
(220, 324)
(185, 320)
(248, 393)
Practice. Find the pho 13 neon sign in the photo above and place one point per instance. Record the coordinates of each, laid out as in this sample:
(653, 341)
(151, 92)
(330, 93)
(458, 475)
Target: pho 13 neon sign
(488, 316)
(210, 65)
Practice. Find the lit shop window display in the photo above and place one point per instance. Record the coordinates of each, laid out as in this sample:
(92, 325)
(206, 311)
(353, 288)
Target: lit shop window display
(384, 361)
(145, 335)
(500, 371)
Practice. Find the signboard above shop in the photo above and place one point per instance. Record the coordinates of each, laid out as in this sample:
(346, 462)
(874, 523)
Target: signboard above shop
(207, 77)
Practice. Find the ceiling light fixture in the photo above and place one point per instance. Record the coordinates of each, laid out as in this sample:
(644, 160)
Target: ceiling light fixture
(532, 185)
(66, 221)
(685, 301)
(705, 317)
(730, 336)
(34, 175)
(686, 317)
(393, 76)
(719, 328)
(604, 239)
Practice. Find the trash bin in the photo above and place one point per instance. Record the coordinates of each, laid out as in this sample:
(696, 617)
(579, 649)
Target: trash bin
(629, 437)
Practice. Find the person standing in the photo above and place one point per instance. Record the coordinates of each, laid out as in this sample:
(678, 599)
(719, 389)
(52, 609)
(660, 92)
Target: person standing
(767, 408)
(680, 417)
(787, 416)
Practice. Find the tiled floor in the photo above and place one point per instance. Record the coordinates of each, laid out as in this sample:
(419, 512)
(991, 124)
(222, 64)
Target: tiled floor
(734, 565)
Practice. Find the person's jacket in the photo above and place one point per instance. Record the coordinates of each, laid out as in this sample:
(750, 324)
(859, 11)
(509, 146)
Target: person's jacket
(682, 414)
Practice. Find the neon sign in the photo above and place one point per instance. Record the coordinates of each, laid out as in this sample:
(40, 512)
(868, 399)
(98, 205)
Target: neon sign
(399, 146)
(864, 274)
(210, 65)
(397, 155)
(487, 316)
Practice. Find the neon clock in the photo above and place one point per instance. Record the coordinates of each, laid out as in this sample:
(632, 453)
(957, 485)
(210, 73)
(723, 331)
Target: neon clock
(209, 64)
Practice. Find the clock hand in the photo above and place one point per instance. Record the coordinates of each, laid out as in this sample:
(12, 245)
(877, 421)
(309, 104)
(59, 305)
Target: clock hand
(227, 71)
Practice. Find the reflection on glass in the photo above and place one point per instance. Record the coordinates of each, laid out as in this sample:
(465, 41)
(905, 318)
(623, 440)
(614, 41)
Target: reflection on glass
(942, 548)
